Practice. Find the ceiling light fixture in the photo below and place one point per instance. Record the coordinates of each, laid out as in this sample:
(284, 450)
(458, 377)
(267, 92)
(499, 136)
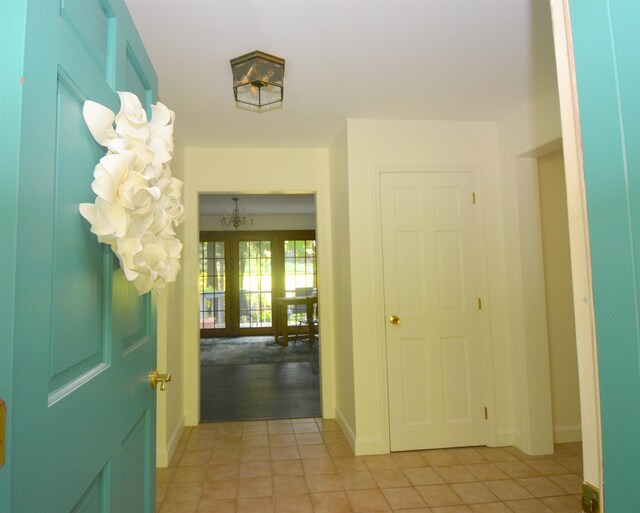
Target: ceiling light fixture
(236, 218)
(258, 79)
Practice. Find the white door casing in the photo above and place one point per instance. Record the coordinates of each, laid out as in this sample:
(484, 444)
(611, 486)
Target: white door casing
(431, 283)
(580, 247)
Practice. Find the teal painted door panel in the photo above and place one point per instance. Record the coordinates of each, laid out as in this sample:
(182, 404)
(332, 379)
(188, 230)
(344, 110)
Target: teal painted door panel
(83, 413)
(607, 53)
(12, 33)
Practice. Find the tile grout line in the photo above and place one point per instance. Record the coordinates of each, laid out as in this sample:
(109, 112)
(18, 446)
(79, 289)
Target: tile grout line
(323, 474)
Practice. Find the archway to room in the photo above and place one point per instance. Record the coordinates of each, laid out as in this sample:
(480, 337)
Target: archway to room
(549, 327)
(561, 333)
(258, 322)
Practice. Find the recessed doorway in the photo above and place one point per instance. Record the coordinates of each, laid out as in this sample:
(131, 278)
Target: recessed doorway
(259, 323)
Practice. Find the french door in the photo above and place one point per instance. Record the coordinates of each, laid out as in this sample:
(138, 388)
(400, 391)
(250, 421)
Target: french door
(242, 272)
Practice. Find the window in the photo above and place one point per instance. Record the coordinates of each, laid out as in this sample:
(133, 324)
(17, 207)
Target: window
(254, 283)
(299, 274)
(241, 272)
(212, 285)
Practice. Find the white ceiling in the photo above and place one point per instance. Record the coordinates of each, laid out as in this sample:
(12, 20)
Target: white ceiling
(372, 59)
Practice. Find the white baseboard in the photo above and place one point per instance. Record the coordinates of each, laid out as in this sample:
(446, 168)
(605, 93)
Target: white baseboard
(368, 446)
(507, 439)
(346, 429)
(360, 446)
(564, 434)
(164, 454)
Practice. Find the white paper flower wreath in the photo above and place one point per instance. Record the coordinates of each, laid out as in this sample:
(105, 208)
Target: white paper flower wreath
(137, 200)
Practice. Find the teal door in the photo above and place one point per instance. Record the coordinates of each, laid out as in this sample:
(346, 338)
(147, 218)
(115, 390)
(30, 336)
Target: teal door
(81, 411)
(607, 55)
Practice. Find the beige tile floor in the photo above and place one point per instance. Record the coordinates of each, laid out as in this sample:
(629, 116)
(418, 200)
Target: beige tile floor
(307, 466)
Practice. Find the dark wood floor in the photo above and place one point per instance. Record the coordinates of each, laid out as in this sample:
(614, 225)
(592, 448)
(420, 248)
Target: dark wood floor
(259, 391)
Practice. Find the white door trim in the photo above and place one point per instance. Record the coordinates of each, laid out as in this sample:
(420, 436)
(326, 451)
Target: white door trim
(191, 328)
(579, 243)
(380, 328)
(531, 345)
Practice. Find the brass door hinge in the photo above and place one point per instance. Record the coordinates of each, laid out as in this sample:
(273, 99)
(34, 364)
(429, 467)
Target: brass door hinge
(590, 498)
(479, 304)
(473, 198)
(486, 413)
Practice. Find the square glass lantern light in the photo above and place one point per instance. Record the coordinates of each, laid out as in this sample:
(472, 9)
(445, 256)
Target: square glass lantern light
(258, 79)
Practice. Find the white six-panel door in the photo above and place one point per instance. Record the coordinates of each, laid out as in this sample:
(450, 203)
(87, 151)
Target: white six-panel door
(431, 285)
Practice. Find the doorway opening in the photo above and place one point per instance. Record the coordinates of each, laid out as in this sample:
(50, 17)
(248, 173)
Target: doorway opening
(259, 323)
(548, 350)
(561, 333)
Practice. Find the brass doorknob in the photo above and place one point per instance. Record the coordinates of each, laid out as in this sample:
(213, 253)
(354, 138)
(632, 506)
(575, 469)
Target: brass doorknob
(155, 377)
(394, 319)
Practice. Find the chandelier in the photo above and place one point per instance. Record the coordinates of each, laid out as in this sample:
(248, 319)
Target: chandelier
(236, 218)
(258, 79)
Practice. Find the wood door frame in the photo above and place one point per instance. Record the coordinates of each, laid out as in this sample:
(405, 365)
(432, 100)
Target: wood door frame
(12, 31)
(487, 377)
(580, 248)
(277, 237)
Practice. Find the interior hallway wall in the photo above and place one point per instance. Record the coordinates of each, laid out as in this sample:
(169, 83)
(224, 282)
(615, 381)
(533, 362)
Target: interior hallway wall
(342, 307)
(535, 124)
(255, 170)
(170, 404)
(342, 179)
(372, 144)
(561, 332)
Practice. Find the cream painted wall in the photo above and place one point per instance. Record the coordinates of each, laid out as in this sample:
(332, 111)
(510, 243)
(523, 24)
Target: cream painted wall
(530, 345)
(565, 392)
(342, 310)
(376, 145)
(170, 404)
(264, 222)
(236, 170)
(522, 135)
(353, 353)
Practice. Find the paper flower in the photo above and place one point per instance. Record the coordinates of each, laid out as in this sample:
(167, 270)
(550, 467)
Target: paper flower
(137, 201)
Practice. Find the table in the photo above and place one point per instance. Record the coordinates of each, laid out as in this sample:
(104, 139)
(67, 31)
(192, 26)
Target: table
(280, 324)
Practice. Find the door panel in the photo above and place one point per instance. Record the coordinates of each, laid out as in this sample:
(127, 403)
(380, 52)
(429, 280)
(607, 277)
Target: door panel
(130, 313)
(83, 424)
(78, 277)
(449, 261)
(455, 380)
(93, 499)
(88, 22)
(606, 49)
(136, 81)
(431, 284)
(135, 466)
(416, 388)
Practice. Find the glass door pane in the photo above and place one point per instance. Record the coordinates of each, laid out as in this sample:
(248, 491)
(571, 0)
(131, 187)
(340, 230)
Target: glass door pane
(254, 282)
(212, 285)
(299, 275)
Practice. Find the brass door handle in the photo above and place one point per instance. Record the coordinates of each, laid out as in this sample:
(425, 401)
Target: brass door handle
(155, 377)
(394, 319)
